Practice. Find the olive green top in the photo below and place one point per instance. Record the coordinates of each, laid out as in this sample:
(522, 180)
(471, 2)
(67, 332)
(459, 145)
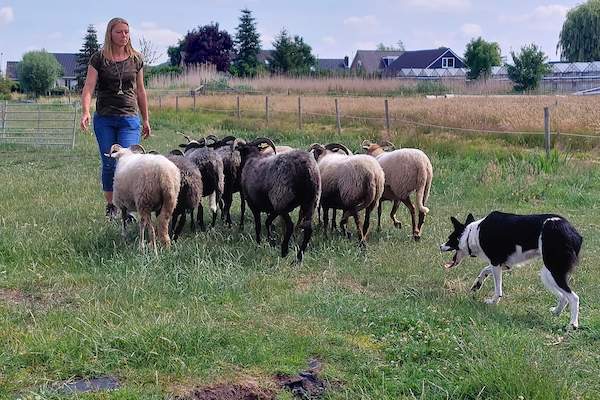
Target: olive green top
(116, 85)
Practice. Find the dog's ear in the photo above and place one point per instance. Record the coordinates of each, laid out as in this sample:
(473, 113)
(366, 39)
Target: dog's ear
(470, 218)
(456, 223)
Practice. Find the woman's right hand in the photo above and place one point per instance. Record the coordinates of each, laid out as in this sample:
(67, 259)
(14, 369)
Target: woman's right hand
(85, 121)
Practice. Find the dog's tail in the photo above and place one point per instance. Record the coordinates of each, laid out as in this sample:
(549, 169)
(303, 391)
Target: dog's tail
(561, 244)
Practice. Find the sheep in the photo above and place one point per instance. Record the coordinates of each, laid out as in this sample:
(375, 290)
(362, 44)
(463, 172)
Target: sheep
(210, 165)
(406, 171)
(190, 193)
(277, 184)
(232, 169)
(350, 183)
(145, 183)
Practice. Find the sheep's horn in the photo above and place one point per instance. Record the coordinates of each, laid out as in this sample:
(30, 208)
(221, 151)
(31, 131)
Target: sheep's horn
(114, 148)
(315, 146)
(176, 152)
(192, 145)
(385, 143)
(365, 143)
(185, 136)
(261, 140)
(153, 152)
(137, 148)
(334, 146)
(214, 139)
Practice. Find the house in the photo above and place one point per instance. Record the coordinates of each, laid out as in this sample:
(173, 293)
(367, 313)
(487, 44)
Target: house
(68, 62)
(333, 64)
(425, 60)
(264, 57)
(374, 61)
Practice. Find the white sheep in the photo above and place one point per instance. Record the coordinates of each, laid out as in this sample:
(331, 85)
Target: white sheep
(145, 183)
(349, 182)
(406, 171)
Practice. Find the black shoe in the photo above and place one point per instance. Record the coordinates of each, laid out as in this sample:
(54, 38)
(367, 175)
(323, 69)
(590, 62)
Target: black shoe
(111, 211)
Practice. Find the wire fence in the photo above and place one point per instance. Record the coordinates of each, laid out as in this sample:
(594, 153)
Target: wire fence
(385, 120)
(36, 124)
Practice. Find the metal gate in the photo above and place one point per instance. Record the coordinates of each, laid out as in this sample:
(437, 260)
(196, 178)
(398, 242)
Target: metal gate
(34, 124)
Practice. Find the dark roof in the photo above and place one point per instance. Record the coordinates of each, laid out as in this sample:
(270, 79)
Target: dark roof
(265, 55)
(371, 60)
(331, 64)
(11, 70)
(418, 59)
(68, 62)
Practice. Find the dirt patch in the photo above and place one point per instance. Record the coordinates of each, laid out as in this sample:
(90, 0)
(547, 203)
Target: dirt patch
(249, 390)
(305, 385)
(40, 301)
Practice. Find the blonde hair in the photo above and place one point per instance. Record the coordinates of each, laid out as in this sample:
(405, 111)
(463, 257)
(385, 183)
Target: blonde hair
(107, 47)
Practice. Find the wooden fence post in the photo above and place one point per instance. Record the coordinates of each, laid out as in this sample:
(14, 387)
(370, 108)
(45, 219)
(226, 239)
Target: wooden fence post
(194, 94)
(300, 112)
(267, 109)
(547, 130)
(176, 103)
(238, 111)
(160, 102)
(387, 117)
(337, 117)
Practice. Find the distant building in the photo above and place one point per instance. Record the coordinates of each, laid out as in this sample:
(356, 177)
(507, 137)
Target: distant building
(374, 61)
(68, 62)
(333, 64)
(435, 59)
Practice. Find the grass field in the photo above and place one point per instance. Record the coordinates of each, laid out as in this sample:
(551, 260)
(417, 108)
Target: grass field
(387, 323)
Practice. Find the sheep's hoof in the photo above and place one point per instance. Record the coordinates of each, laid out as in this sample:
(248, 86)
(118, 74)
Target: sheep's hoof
(272, 242)
(417, 238)
(398, 225)
(348, 235)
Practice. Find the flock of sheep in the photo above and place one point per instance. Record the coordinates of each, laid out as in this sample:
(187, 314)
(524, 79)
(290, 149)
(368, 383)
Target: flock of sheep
(271, 179)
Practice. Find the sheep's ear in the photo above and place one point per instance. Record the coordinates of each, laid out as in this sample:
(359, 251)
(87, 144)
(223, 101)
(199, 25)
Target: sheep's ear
(137, 148)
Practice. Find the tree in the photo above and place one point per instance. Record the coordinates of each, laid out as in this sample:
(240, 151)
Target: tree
(480, 57)
(5, 88)
(398, 47)
(207, 44)
(38, 72)
(90, 46)
(578, 39)
(174, 53)
(529, 68)
(149, 51)
(291, 55)
(247, 41)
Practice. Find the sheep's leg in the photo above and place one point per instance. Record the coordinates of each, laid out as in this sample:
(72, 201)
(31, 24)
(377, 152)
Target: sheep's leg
(172, 224)
(163, 220)
(325, 220)
(217, 198)
(379, 210)
(192, 224)
(397, 223)
(256, 223)
(124, 222)
(225, 213)
(152, 235)
(242, 210)
(145, 223)
(413, 216)
(269, 225)
(300, 219)
(200, 218)
(359, 229)
(367, 223)
(307, 228)
(421, 221)
(289, 227)
(319, 214)
(180, 226)
(333, 223)
(344, 222)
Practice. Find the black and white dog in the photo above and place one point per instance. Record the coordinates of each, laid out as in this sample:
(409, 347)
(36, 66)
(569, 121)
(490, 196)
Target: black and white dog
(506, 240)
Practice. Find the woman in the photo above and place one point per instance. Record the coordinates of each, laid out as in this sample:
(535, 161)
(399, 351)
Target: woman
(118, 70)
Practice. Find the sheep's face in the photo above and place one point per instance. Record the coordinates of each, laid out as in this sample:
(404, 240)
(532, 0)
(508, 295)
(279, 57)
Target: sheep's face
(373, 149)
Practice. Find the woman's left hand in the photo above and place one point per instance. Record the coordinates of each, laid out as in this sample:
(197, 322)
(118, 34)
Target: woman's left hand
(146, 130)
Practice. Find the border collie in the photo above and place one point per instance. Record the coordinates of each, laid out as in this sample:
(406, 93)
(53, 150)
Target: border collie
(506, 240)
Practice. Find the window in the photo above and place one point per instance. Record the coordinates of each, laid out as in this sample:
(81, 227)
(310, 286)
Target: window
(447, 62)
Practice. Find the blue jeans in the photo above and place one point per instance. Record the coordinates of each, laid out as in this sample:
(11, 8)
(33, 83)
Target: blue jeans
(122, 129)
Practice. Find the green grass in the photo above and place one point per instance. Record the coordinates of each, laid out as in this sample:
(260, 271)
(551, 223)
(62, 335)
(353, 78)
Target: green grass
(387, 323)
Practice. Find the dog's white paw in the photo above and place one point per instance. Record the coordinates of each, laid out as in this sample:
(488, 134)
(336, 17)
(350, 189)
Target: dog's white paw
(573, 326)
(555, 311)
(492, 300)
(476, 285)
